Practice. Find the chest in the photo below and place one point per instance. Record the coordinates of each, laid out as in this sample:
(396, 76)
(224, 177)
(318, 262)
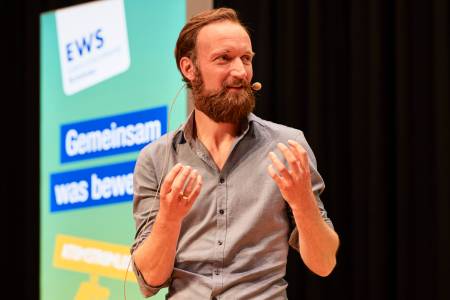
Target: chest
(241, 193)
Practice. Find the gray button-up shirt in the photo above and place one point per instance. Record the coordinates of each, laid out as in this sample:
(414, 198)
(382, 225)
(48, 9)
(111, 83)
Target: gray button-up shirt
(234, 241)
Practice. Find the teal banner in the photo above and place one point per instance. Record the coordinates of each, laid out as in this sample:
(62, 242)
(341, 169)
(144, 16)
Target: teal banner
(108, 75)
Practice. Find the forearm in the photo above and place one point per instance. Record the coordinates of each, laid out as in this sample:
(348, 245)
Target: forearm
(318, 242)
(155, 257)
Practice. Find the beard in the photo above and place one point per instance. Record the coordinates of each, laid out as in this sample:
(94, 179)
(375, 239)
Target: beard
(224, 106)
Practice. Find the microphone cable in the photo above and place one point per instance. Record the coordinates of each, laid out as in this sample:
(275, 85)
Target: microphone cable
(166, 163)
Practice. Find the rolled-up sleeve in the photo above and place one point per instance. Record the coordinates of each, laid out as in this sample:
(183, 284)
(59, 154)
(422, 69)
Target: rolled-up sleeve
(145, 209)
(146, 289)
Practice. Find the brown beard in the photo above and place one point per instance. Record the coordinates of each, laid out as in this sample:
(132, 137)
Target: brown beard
(224, 106)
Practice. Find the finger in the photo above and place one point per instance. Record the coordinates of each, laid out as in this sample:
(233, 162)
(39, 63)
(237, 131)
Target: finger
(180, 180)
(300, 153)
(281, 168)
(191, 181)
(196, 191)
(278, 180)
(166, 186)
(290, 158)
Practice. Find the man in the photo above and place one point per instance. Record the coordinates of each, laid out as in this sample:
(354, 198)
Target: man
(220, 226)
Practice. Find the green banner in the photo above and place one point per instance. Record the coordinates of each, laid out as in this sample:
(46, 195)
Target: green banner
(108, 76)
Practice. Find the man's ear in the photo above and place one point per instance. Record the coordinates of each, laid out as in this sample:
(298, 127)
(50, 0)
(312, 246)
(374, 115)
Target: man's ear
(187, 68)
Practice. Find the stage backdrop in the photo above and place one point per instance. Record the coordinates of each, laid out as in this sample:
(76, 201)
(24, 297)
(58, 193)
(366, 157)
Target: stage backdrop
(107, 78)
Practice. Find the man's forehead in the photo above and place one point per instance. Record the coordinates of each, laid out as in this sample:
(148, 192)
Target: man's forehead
(222, 35)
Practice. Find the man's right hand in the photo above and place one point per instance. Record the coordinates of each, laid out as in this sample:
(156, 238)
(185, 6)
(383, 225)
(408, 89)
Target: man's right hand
(155, 257)
(179, 191)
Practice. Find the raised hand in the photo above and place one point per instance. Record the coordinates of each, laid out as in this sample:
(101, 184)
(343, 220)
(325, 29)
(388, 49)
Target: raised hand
(293, 181)
(179, 191)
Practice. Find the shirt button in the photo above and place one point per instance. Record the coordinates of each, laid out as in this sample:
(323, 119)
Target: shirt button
(221, 180)
(221, 211)
(220, 243)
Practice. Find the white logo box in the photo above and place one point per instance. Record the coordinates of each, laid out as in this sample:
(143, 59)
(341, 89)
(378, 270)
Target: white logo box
(92, 43)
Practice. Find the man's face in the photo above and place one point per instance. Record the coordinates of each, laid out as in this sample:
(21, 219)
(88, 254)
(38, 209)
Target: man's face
(221, 87)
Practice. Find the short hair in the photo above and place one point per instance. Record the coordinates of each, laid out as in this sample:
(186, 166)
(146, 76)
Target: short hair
(187, 39)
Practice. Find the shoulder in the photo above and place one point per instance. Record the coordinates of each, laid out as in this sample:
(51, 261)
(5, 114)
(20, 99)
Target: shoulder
(274, 131)
(158, 147)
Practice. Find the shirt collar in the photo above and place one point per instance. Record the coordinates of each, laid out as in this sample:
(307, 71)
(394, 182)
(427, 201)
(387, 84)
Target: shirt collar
(186, 132)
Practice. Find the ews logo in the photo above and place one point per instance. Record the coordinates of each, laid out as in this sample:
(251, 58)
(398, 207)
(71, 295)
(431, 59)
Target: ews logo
(92, 43)
(85, 45)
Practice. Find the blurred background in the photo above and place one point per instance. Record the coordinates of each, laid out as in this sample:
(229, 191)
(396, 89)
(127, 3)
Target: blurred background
(366, 81)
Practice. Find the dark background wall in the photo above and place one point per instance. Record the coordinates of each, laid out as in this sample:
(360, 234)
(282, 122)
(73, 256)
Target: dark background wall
(367, 82)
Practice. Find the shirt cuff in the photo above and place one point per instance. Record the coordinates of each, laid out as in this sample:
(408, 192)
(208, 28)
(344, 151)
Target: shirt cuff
(293, 240)
(146, 289)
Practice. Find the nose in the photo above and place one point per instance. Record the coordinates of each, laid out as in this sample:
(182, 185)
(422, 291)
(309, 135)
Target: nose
(238, 69)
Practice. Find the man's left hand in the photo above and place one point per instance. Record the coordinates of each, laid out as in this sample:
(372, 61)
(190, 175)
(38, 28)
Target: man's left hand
(293, 181)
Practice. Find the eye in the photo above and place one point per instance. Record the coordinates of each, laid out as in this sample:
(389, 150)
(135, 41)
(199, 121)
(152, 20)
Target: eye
(246, 59)
(223, 58)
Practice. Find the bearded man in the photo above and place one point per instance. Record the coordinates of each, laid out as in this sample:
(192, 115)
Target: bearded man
(229, 206)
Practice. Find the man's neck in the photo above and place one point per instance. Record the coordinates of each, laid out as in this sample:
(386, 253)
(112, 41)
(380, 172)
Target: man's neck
(216, 137)
(213, 133)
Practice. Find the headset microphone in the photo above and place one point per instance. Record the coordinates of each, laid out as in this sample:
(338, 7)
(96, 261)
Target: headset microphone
(256, 86)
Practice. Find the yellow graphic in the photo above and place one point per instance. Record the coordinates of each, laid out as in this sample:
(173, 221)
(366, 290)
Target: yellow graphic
(91, 290)
(95, 258)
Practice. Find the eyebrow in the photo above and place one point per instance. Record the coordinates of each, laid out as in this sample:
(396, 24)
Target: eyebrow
(226, 51)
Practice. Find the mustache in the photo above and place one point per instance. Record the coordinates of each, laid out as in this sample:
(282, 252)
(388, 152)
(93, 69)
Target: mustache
(223, 91)
(247, 88)
(236, 83)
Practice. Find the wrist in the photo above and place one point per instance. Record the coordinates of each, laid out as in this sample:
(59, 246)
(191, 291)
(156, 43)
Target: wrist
(306, 207)
(167, 219)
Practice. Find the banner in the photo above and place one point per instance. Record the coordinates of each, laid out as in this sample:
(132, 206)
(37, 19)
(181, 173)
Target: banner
(108, 74)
